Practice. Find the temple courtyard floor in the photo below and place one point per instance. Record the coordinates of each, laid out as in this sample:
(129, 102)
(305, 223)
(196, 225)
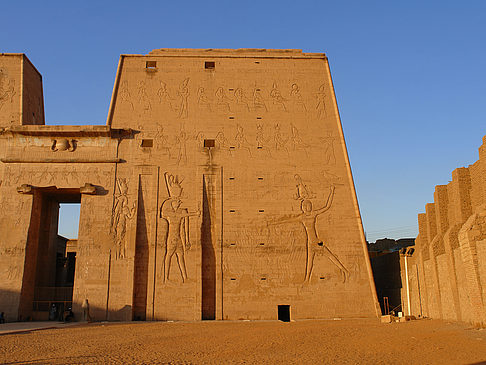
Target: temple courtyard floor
(350, 341)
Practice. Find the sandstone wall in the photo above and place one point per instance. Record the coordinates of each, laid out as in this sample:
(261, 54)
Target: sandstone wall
(21, 95)
(447, 271)
(219, 189)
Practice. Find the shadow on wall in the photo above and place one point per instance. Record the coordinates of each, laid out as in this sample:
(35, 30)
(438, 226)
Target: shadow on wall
(58, 311)
(386, 272)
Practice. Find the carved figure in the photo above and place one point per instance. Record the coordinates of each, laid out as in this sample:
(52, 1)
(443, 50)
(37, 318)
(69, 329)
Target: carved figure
(183, 95)
(162, 140)
(296, 140)
(297, 99)
(277, 98)
(143, 97)
(121, 215)
(181, 142)
(280, 140)
(303, 192)
(202, 100)
(321, 102)
(164, 97)
(173, 183)
(331, 179)
(260, 136)
(240, 139)
(258, 101)
(308, 219)
(63, 145)
(221, 141)
(328, 149)
(240, 99)
(125, 94)
(222, 100)
(7, 91)
(177, 239)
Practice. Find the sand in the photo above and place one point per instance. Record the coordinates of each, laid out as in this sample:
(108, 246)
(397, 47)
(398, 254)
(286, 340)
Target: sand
(349, 341)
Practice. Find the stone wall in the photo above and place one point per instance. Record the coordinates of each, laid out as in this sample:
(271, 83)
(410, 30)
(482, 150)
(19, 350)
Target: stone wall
(447, 272)
(220, 188)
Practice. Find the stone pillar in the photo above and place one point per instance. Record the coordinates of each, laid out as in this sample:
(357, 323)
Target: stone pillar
(422, 255)
(432, 279)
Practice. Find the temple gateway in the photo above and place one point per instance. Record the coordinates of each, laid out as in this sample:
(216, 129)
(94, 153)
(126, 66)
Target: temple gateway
(219, 188)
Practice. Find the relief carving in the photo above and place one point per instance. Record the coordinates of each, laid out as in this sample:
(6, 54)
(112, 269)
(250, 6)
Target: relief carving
(125, 94)
(202, 100)
(302, 191)
(261, 140)
(7, 89)
(164, 97)
(222, 143)
(183, 95)
(241, 100)
(277, 98)
(222, 103)
(329, 157)
(181, 140)
(280, 140)
(240, 139)
(177, 238)
(162, 141)
(308, 219)
(296, 140)
(321, 102)
(258, 101)
(63, 145)
(297, 99)
(143, 98)
(122, 214)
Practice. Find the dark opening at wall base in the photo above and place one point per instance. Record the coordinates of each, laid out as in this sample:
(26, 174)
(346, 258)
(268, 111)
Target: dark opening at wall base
(284, 313)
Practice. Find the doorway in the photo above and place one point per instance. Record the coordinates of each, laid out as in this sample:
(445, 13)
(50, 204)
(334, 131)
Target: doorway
(283, 313)
(52, 253)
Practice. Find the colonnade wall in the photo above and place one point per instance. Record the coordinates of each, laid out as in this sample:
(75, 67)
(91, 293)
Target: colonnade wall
(445, 277)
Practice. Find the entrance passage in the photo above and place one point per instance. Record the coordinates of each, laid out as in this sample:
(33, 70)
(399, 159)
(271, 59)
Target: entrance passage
(284, 313)
(53, 246)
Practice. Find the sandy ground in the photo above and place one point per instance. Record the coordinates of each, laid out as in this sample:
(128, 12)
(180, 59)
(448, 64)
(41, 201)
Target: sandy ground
(302, 342)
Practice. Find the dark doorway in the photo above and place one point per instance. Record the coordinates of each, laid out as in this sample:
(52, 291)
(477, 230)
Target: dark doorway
(284, 313)
(48, 282)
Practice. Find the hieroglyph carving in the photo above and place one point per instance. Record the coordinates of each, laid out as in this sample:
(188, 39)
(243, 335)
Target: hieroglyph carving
(177, 239)
(181, 141)
(240, 139)
(125, 94)
(308, 219)
(183, 95)
(321, 104)
(164, 97)
(297, 99)
(122, 213)
(258, 101)
(143, 98)
(277, 98)
(329, 157)
(202, 100)
(7, 88)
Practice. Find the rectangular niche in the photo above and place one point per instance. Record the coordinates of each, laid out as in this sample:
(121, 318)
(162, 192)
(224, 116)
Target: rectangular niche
(147, 143)
(209, 65)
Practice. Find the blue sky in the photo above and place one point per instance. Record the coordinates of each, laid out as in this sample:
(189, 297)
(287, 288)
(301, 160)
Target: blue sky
(409, 76)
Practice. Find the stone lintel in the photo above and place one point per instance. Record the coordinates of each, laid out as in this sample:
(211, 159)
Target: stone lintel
(67, 130)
